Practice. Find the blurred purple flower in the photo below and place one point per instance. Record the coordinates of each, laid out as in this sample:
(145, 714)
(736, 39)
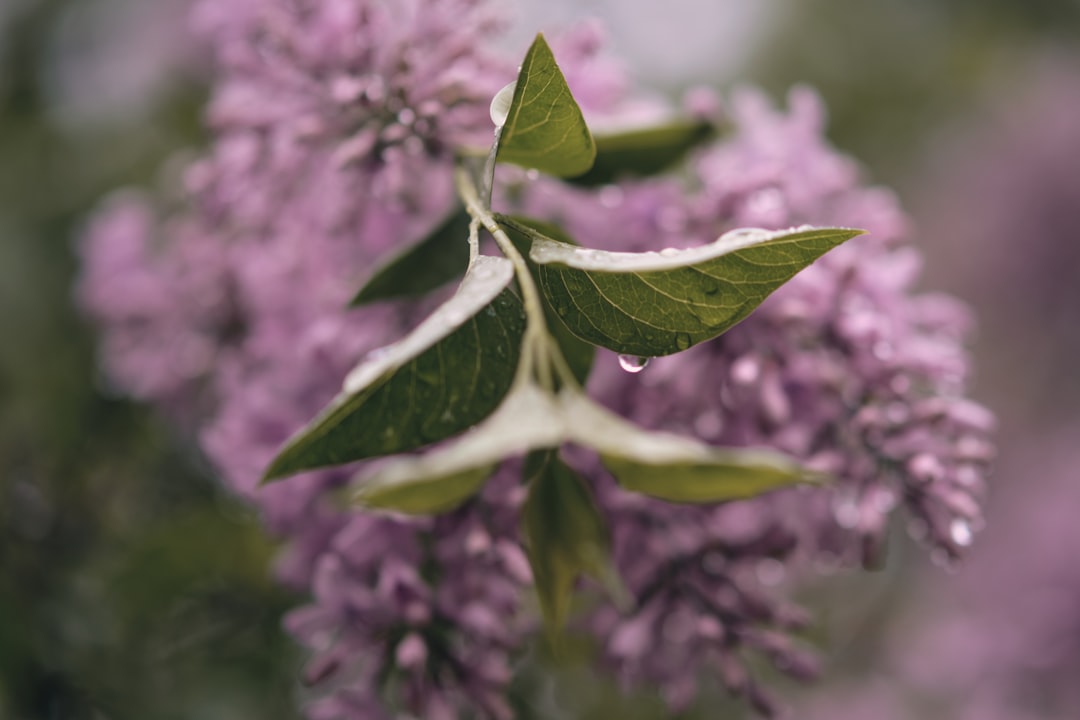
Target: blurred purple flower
(334, 124)
(1001, 639)
(845, 367)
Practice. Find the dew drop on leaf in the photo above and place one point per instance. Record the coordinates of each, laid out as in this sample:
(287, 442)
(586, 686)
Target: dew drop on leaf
(500, 104)
(682, 341)
(633, 363)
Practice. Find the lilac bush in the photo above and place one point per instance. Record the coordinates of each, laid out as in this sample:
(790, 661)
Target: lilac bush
(335, 127)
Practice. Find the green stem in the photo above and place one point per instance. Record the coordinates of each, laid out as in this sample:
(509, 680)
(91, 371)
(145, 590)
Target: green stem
(538, 345)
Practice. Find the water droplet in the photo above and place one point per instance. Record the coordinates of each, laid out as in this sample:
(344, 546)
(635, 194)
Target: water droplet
(669, 252)
(562, 310)
(710, 286)
(633, 363)
(500, 104)
(961, 533)
(682, 341)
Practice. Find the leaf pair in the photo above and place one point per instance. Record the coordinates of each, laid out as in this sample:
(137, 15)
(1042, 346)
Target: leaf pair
(565, 533)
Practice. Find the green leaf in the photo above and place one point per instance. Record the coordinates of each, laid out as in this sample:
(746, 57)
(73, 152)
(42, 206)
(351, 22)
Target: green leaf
(660, 303)
(439, 258)
(565, 534)
(444, 377)
(423, 495)
(579, 354)
(673, 467)
(644, 152)
(528, 419)
(544, 128)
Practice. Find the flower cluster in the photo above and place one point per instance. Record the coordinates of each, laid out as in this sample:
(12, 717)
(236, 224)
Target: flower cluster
(334, 122)
(844, 367)
(1000, 638)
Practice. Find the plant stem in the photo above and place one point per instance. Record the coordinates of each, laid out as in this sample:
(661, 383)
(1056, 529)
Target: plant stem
(538, 343)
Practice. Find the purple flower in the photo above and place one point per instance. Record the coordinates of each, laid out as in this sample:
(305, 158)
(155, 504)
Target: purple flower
(334, 126)
(844, 367)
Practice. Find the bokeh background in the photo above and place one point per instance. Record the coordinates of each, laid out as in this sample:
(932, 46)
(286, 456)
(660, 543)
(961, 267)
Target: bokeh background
(131, 586)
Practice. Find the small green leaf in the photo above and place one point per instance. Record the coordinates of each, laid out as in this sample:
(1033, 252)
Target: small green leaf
(579, 354)
(660, 303)
(544, 126)
(528, 419)
(424, 495)
(565, 534)
(439, 258)
(673, 467)
(644, 152)
(444, 377)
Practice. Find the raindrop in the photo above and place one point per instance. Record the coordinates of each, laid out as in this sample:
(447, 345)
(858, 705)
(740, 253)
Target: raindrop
(500, 104)
(682, 341)
(960, 532)
(633, 363)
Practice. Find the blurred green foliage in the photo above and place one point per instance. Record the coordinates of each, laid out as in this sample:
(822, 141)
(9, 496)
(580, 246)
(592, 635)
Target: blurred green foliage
(892, 72)
(130, 587)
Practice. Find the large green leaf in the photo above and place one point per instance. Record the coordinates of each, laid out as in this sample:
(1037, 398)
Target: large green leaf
(643, 152)
(544, 127)
(674, 467)
(439, 258)
(565, 534)
(659, 303)
(445, 376)
(579, 355)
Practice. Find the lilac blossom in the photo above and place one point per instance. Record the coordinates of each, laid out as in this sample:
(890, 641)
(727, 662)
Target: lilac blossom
(1001, 638)
(334, 125)
(844, 367)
